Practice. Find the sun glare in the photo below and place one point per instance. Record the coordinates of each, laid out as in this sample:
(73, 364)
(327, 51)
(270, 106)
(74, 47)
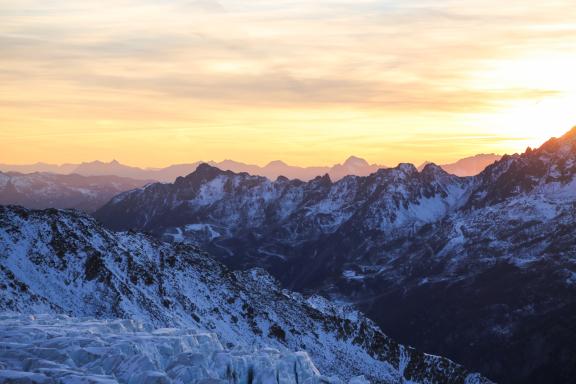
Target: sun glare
(534, 123)
(546, 102)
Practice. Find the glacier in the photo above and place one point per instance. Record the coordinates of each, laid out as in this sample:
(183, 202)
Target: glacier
(46, 349)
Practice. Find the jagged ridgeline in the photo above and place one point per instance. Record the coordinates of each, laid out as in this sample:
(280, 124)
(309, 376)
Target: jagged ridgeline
(63, 262)
(480, 269)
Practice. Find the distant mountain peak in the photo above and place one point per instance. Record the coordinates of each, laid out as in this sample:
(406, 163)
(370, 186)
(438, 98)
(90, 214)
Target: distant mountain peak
(226, 162)
(481, 155)
(277, 163)
(354, 161)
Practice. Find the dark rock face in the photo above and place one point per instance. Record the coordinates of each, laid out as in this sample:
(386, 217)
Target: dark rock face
(481, 269)
(64, 262)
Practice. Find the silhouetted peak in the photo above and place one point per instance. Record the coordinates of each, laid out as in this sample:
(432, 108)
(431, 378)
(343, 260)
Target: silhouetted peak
(277, 163)
(355, 161)
(204, 172)
(482, 155)
(227, 163)
(205, 169)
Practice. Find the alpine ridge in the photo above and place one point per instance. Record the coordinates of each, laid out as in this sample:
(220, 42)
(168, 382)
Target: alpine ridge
(496, 251)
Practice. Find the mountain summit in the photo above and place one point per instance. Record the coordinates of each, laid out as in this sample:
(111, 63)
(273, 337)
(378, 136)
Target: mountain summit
(354, 161)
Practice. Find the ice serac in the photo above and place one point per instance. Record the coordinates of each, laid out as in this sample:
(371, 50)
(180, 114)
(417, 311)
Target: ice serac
(61, 349)
(497, 251)
(63, 262)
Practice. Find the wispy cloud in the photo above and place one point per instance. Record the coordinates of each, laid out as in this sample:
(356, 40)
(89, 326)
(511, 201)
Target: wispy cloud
(412, 66)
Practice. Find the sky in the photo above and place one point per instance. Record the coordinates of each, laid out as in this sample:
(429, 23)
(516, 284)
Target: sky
(152, 83)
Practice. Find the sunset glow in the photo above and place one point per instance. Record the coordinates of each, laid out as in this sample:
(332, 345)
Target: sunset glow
(152, 83)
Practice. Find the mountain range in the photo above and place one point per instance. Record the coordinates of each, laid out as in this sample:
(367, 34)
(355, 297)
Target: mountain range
(213, 325)
(481, 269)
(352, 166)
(48, 190)
(88, 186)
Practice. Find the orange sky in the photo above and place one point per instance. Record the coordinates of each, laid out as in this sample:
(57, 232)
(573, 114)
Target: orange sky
(154, 82)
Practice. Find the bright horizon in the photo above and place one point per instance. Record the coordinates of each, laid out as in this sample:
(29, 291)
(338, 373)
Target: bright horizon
(106, 161)
(151, 83)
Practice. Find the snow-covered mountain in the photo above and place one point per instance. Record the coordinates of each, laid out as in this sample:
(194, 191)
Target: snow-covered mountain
(47, 190)
(221, 204)
(63, 262)
(483, 267)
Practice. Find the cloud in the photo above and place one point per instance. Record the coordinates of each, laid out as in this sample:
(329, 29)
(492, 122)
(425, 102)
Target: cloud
(389, 62)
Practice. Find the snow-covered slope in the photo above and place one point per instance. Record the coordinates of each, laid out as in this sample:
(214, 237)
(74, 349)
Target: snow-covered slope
(61, 349)
(64, 262)
(46, 190)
